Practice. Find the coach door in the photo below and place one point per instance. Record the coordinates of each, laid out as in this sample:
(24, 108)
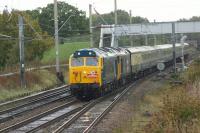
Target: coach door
(118, 68)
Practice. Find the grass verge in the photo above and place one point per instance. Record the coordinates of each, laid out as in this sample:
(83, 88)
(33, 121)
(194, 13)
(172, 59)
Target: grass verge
(65, 50)
(175, 108)
(35, 81)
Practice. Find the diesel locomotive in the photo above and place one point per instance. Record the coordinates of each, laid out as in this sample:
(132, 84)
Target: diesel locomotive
(96, 71)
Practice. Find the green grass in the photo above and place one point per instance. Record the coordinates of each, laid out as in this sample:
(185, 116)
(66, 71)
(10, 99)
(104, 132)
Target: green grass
(36, 81)
(65, 50)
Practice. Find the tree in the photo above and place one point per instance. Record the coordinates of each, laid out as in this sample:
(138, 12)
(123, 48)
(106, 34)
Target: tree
(123, 18)
(34, 46)
(77, 24)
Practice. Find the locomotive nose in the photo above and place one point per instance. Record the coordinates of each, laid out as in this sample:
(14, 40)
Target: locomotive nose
(87, 75)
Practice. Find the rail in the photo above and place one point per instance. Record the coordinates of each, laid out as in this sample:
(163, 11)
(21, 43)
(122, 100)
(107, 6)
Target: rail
(34, 118)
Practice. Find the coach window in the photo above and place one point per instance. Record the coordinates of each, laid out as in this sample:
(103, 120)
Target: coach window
(77, 62)
(91, 61)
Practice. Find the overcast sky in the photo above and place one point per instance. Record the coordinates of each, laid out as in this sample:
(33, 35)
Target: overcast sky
(160, 10)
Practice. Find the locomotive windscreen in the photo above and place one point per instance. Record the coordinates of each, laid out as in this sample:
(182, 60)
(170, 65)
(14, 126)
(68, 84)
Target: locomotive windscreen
(91, 61)
(77, 62)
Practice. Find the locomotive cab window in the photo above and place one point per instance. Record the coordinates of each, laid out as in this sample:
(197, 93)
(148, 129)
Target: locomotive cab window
(77, 62)
(91, 61)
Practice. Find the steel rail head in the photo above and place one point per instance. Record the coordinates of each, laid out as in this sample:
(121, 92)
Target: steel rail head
(77, 115)
(29, 120)
(32, 96)
(55, 120)
(107, 110)
(81, 112)
(13, 115)
(34, 100)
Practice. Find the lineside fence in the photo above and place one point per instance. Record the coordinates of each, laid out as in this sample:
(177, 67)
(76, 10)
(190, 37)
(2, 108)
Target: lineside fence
(12, 70)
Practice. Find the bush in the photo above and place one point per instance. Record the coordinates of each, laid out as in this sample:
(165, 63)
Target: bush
(193, 73)
(181, 106)
(180, 113)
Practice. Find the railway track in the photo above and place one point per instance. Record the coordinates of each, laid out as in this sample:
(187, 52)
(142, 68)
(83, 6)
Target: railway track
(14, 112)
(71, 110)
(34, 102)
(12, 105)
(36, 122)
(106, 110)
(90, 115)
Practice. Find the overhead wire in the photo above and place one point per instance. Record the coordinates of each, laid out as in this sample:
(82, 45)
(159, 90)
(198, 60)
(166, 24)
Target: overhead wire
(38, 35)
(104, 21)
(100, 16)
